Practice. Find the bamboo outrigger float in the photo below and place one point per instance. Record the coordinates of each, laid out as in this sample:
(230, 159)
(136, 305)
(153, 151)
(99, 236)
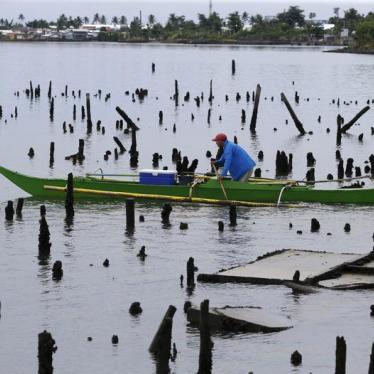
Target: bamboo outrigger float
(256, 192)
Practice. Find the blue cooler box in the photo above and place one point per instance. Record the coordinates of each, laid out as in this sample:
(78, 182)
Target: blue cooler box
(158, 177)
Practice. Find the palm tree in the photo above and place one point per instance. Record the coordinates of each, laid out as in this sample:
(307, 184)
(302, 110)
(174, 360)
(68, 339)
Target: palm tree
(151, 20)
(123, 21)
(86, 20)
(96, 18)
(78, 22)
(21, 17)
(115, 20)
(103, 20)
(245, 17)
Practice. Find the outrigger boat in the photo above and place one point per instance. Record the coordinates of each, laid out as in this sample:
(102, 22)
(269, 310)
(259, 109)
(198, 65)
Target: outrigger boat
(201, 189)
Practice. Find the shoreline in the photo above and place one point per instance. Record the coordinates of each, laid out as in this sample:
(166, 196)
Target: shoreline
(190, 42)
(352, 51)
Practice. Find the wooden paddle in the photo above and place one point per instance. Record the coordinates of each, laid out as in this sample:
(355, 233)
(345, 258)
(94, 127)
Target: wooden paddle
(220, 181)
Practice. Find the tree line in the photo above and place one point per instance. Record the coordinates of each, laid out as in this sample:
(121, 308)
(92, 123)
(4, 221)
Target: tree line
(289, 25)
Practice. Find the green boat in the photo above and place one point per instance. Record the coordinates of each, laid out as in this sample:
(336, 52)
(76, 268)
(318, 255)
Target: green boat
(256, 192)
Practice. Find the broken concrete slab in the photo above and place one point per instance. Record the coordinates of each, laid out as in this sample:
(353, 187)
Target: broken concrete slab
(313, 268)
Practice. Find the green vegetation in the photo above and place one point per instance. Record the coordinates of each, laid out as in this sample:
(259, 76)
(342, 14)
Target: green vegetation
(364, 38)
(289, 26)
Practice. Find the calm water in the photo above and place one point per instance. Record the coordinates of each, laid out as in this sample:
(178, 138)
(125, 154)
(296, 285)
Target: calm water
(93, 300)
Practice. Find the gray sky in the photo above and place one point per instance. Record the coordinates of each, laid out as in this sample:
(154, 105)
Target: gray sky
(51, 9)
(248, 2)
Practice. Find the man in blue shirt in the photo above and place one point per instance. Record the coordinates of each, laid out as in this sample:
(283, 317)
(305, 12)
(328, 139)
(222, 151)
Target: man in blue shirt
(234, 159)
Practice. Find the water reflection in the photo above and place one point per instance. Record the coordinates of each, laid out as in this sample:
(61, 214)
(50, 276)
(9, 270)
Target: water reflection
(44, 270)
(68, 225)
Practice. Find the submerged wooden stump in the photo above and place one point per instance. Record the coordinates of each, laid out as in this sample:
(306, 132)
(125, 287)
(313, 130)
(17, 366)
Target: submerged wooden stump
(340, 355)
(206, 344)
(165, 214)
(44, 236)
(46, 349)
(69, 198)
(9, 211)
(255, 109)
(161, 343)
(191, 273)
(130, 214)
(19, 207)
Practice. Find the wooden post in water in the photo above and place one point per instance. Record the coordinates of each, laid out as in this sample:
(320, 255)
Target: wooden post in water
(88, 110)
(19, 207)
(206, 344)
(161, 343)
(255, 109)
(50, 90)
(74, 112)
(210, 99)
(128, 120)
(297, 122)
(130, 214)
(9, 211)
(122, 149)
(190, 273)
(340, 355)
(341, 169)
(31, 91)
(69, 199)
(233, 215)
(46, 349)
(52, 109)
(44, 236)
(339, 121)
(349, 124)
(134, 154)
(165, 214)
(176, 92)
(57, 271)
(81, 150)
(233, 67)
(243, 117)
(371, 364)
(51, 154)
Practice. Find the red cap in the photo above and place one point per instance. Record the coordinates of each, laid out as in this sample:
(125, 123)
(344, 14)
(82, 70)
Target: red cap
(220, 137)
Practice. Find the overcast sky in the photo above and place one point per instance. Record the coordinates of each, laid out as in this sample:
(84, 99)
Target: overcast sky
(249, 2)
(51, 9)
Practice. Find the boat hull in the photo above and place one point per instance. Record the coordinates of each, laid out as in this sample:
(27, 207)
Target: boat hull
(91, 188)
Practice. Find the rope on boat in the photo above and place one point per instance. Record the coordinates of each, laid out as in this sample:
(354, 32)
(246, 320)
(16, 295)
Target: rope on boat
(336, 180)
(195, 182)
(166, 197)
(285, 187)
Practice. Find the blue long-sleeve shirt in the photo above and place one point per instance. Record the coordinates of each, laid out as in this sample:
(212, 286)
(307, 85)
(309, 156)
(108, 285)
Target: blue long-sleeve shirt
(235, 160)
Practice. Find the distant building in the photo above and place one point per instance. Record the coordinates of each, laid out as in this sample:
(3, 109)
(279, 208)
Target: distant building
(344, 33)
(328, 26)
(99, 27)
